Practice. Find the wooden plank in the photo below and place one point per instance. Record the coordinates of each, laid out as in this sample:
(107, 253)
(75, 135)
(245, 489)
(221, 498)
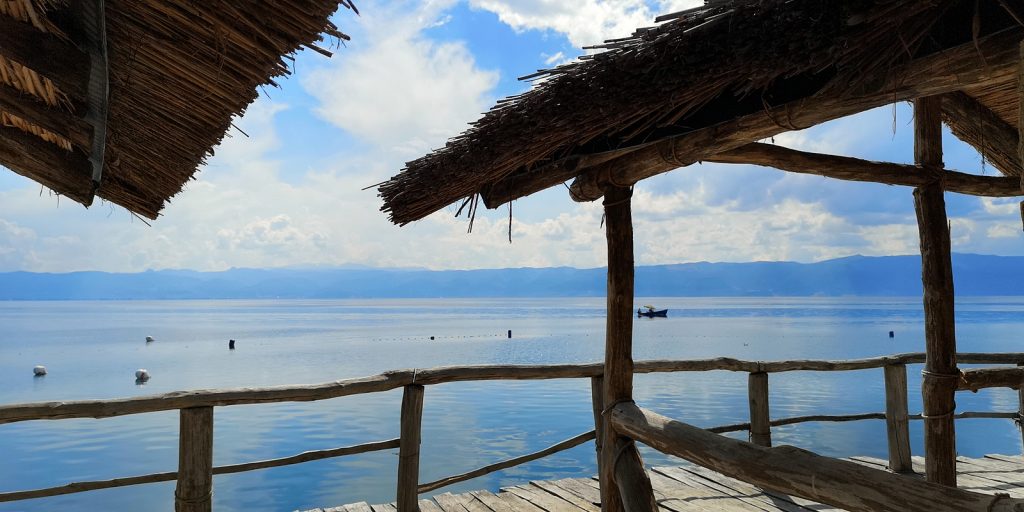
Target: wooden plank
(567, 495)
(361, 506)
(450, 503)
(697, 496)
(542, 499)
(409, 449)
(790, 470)
(579, 487)
(741, 491)
(383, 508)
(897, 424)
(195, 461)
(492, 501)
(856, 169)
(940, 370)
(429, 506)
(517, 503)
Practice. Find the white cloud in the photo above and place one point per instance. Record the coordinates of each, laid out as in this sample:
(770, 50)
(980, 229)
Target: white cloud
(400, 90)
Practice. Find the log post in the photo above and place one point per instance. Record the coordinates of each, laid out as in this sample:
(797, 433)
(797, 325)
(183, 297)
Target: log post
(195, 461)
(597, 397)
(624, 483)
(1020, 411)
(940, 371)
(897, 424)
(409, 449)
(760, 421)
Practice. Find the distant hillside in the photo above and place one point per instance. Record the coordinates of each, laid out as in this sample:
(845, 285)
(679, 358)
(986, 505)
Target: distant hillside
(857, 275)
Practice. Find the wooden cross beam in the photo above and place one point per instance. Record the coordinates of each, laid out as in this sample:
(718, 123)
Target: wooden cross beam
(995, 139)
(855, 169)
(60, 61)
(28, 155)
(54, 119)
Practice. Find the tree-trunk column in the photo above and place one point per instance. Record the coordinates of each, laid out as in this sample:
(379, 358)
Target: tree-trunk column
(940, 371)
(624, 484)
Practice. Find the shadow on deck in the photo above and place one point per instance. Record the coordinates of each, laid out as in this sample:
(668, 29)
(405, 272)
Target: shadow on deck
(692, 488)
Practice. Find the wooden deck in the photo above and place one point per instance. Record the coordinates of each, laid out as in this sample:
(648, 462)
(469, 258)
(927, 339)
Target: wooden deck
(692, 489)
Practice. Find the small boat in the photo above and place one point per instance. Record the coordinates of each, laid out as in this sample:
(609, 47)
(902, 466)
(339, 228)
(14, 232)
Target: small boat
(651, 312)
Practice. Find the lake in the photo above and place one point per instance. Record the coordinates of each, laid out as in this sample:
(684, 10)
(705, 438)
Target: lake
(92, 350)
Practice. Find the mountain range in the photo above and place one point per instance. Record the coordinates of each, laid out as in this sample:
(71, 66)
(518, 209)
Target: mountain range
(974, 275)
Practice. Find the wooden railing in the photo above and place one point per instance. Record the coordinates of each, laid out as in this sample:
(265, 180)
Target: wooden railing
(195, 462)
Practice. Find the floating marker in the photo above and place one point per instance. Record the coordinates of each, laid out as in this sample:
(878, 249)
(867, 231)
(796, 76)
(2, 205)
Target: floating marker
(510, 334)
(892, 334)
(149, 339)
(231, 344)
(39, 371)
(141, 375)
(431, 338)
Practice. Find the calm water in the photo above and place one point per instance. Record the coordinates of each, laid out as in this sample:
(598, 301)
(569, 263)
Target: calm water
(93, 348)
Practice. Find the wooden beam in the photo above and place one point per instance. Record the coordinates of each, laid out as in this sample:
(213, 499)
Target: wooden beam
(109, 408)
(625, 485)
(975, 124)
(66, 171)
(195, 461)
(843, 484)
(1020, 112)
(981, 378)
(856, 169)
(409, 451)
(54, 119)
(980, 62)
(897, 424)
(940, 370)
(49, 56)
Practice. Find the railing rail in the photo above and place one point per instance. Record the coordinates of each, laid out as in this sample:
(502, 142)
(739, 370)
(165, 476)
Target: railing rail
(195, 465)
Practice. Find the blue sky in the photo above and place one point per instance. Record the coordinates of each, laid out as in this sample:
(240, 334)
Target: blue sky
(415, 73)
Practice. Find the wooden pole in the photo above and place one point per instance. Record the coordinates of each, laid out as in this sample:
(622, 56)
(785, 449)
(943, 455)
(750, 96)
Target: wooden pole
(940, 371)
(1020, 411)
(597, 398)
(624, 484)
(195, 461)
(760, 421)
(897, 418)
(409, 449)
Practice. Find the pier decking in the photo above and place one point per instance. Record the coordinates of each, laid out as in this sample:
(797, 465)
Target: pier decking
(691, 488)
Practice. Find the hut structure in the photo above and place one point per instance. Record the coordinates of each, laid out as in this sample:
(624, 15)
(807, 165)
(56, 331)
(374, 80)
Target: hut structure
(122, 99)
(707, 84)
(125, 99)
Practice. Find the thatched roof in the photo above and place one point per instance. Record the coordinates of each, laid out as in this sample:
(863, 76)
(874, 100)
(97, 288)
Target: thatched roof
(716, 71)
(178, 72)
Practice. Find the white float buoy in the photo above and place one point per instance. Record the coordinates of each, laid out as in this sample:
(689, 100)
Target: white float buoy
(149, 339)
(39, 371)
(141, 375)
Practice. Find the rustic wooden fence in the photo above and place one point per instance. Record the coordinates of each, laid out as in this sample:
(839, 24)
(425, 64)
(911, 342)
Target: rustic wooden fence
(195, 459)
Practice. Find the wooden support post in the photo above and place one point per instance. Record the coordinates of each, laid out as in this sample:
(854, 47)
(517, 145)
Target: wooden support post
(194, 491)
(760, 421)
(597, 397)
(1020, 412)
(409, 449)
(940, 371)
(897, 424)
(624, 483)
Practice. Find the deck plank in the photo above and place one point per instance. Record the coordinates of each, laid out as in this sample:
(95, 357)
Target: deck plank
(692, 488)
(542, 499)
(553, 488)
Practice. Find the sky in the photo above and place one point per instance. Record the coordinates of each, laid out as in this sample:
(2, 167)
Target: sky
(289, 192)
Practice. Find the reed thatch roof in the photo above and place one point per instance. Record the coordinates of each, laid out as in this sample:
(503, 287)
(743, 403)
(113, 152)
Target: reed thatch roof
(178, 71)
(716, 77)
